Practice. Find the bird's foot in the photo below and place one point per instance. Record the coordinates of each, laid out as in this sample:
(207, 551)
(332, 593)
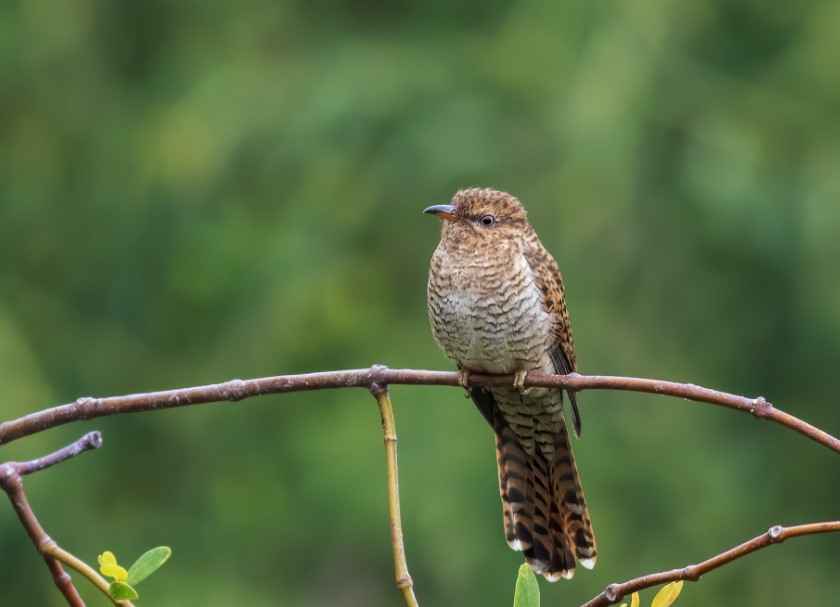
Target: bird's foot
(519, 381)
(464, 381)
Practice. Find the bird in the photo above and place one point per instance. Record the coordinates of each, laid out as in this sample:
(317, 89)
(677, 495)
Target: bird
(496, 304)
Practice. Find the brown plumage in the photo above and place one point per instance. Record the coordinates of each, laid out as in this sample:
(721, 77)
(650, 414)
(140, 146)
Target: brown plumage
(497, 305)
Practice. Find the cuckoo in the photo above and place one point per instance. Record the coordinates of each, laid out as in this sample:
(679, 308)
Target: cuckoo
(497, 305)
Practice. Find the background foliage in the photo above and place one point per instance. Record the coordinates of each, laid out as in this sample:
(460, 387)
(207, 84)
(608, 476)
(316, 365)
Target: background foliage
(195, 191)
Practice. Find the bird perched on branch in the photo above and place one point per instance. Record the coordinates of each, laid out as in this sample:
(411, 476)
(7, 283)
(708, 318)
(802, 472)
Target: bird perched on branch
(497, 305)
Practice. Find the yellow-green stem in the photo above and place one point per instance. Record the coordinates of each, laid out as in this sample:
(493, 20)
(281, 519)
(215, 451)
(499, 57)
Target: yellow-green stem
(61, 555)
(389, 431)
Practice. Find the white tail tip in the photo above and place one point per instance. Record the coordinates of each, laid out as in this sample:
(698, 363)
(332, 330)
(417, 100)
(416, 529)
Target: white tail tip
(554, 576)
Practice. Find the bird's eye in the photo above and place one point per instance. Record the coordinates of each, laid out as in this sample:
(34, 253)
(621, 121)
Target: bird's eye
(487, 220)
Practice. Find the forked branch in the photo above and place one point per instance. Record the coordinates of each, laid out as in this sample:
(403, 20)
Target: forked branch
(11, 481)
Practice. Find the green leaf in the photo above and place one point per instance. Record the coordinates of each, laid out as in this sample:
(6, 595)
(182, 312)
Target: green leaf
(527, 593)
(147, 564)
(121, 591)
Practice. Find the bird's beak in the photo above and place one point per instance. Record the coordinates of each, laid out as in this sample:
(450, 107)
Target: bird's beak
(442, 211)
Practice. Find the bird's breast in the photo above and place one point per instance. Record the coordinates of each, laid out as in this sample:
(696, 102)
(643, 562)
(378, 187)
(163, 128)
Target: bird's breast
(487, 312)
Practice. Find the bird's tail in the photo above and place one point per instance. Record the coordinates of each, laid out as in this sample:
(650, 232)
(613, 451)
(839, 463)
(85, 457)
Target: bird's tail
(544, 509)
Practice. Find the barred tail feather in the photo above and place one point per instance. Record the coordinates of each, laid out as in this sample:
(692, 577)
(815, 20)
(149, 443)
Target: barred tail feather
(543, 506)
(515, 488)
(576, 522)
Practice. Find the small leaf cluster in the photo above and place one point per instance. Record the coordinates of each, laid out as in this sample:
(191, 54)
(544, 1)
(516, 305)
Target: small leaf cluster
(123, 582)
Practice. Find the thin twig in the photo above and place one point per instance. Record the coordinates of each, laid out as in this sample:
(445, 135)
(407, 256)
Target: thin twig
(11, 481)
(775, 535)
(389, 432)
(91, 440)
(64, 582)
(238, 389)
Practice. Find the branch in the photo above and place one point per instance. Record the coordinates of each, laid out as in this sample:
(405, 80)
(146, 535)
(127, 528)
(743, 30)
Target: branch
(389, 430)
(376, 379)
(11, 481)
(238, 389)
(775, 535)
(91, 440)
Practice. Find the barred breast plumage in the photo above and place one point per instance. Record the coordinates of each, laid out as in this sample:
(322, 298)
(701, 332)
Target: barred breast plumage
(496, 305)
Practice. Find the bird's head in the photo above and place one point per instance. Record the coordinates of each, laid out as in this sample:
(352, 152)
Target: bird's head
(481, 213)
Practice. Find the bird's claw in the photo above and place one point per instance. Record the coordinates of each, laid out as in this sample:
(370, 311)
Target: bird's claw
(464, 381)
(519, 381)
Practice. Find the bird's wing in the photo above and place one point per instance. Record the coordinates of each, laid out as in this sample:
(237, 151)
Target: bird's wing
(550, 282)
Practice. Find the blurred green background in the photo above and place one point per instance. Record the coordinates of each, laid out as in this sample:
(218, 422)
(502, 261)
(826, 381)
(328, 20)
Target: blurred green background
(196, 191)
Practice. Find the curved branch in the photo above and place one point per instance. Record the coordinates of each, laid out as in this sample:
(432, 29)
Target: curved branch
(775, 535)
(238, 389)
